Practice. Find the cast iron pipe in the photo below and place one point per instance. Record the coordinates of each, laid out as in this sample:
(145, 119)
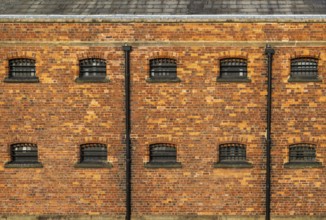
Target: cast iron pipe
(269, 51)
(127, 50)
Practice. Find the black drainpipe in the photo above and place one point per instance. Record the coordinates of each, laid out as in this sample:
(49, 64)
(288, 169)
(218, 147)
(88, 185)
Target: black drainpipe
(127, 50)
(269, 51)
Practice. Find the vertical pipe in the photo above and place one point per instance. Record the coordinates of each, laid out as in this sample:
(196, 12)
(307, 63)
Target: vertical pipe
(127, 50)
(269, 51)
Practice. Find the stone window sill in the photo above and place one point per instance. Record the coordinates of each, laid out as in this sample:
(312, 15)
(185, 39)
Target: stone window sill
(23, 165)
(305, 80)
(21, 80)
(175, 80)
(91, 80)
(235, 80)
(93, 165)
(233, 164)
(163, 165)
(300, 165)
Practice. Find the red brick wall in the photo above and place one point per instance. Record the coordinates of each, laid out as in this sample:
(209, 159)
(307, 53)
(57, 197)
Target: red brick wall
(196, 114)
(298, 117)
(58, 115)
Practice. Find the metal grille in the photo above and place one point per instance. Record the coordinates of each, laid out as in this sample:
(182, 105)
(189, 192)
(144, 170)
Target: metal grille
(93, 153)
(22, 68)
(302, 153)
(24, 153)
(304, 68)
(163, 68)
(163, 153)
(232, 152)
(92, 68)
(233, 68)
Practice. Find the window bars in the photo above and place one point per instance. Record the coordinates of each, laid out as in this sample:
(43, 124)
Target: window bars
(163, 69)
(233, 68)
(24, 153)
(232, 152)
(22, 68)
(304, 68)
(93, 153)
(302, 153)
(92, 68)
(163, 153)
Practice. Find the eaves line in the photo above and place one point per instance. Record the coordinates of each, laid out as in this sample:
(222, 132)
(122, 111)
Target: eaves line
(123, 18)
(167, 43)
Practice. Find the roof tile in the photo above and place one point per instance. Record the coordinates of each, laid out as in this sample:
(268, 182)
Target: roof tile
(172, 7)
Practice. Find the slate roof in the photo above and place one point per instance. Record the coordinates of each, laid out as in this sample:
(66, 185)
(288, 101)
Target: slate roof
(161, 7)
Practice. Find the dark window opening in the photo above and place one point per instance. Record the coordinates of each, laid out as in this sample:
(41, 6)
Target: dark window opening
(22, 70)
(163, 153)
(92, 69)
(24, 153)
(304, 68)
(232, 152)
(302, 153)
(163, 69)
(233, 68)
(93, 153)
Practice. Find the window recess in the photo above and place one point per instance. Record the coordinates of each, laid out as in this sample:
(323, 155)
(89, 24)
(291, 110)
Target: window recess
(233, 70)
(302, 155)
(163, 155)
(93, 155)
(163, 70)
(232, 155)
(23, 155)
(22, 70)
(304, 70)
(92, 70)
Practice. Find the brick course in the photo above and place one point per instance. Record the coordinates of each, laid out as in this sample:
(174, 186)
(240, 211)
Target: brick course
(196, 114)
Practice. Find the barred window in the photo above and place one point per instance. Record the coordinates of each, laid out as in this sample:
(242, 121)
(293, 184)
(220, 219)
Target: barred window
(93, 153)
(233, 68)
(302, 153)
(304, 68)
(22, 68)
(163, 153)
(232, 152)
(24, 153)
(92, 68)
(163, 68)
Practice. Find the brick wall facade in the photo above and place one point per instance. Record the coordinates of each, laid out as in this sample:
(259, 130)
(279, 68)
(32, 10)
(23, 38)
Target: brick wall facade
(197, 115)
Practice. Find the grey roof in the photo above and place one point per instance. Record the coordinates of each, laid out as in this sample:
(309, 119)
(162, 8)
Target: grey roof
(161, 7)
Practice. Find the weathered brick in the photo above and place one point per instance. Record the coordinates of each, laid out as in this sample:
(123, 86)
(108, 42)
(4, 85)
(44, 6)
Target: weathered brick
(196, 114)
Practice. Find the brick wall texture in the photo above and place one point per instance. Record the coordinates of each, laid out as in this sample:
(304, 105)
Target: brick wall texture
(196, 114)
